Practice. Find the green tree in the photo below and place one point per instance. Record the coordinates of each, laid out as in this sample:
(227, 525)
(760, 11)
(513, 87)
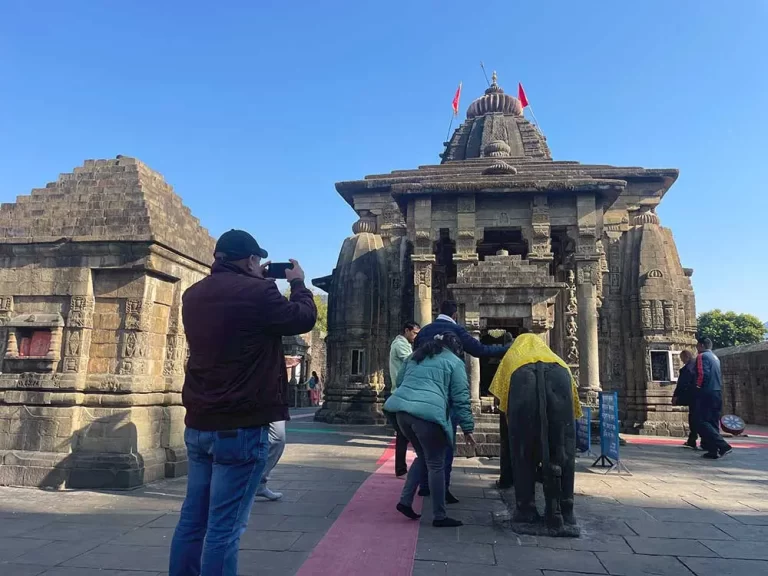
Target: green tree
(322, 310)
(730, 329)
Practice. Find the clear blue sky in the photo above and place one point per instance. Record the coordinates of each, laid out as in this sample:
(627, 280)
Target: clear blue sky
(252, 110)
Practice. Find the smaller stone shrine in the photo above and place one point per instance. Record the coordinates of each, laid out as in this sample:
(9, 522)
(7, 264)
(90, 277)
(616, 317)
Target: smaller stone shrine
(92, 349)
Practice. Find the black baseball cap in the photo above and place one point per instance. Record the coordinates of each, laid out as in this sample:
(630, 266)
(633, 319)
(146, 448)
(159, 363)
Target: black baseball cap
(238, 245)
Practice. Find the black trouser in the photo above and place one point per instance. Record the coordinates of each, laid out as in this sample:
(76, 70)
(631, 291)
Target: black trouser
(693, 425)
(401, 446)
(401, 449)
(505, 456)
(708, 407)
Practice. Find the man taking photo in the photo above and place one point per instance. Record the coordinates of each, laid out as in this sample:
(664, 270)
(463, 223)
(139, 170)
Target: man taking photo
(236, 385)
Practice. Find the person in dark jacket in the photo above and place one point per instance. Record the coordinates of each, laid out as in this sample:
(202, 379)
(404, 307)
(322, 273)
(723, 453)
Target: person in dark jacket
(709, 401)
(236, 384)
(684, 395)
(446, 322)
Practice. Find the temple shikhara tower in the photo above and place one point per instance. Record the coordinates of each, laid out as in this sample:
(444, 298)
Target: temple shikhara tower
(573, 252)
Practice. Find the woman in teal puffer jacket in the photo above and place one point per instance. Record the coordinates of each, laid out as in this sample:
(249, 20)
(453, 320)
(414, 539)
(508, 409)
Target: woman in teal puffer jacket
(432, 382)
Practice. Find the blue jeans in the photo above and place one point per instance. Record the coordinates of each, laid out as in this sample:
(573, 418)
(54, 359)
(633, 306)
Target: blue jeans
(225, 468)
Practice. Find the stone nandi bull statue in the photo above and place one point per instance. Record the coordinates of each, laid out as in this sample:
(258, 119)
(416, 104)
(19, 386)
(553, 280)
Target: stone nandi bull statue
(538, 397)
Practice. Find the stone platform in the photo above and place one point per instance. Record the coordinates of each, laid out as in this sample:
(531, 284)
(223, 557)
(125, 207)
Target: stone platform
(677, 515)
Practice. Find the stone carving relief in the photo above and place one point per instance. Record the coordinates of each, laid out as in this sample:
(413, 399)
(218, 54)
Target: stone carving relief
(110, 384)
(423, 275)
(615, 283)
(571, 327)
(658, 315)
(174, 351)
(30, 380)
(669, 315)
(655, 273)
(571, 306)
(588, 272)
(73, 343)
(137, 314)
(80, 312)
(6, 304)
(681, 315)
(71, 365)
(645, 314)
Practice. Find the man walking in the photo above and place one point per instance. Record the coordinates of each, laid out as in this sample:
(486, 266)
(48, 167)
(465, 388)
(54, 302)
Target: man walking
(709, 401)
(446, 322)
(684, 395)
(236, 385)
(276, 449)
(401, 348)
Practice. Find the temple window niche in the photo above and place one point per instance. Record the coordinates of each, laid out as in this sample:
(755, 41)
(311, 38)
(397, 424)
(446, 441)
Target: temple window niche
(496, 239)
(663, 364)
(358, 362)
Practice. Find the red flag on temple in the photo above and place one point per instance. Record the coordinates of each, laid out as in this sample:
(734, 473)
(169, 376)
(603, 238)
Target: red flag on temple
(521, 95)
(456, 100)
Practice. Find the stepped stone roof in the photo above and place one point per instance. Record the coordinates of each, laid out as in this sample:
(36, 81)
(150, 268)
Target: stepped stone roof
(118, 200)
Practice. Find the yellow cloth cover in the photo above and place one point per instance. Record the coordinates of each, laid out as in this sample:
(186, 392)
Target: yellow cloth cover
(527, 349)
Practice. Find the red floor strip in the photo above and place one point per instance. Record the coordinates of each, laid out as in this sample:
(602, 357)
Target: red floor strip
(370, 537)
(389, 452)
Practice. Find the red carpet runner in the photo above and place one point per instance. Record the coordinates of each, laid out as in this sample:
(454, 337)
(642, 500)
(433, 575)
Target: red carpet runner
(370, 537)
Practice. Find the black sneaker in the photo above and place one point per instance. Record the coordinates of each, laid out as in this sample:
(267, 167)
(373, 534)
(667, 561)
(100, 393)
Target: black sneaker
(408, 512)
(450, 498)
(447, 523)
(690, 445)
(424, 492)
(725, 452)
(711, 455)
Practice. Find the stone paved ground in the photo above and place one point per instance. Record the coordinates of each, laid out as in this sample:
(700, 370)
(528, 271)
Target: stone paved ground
(677, 515)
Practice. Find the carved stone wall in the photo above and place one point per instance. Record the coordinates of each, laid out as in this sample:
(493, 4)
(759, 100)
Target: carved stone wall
(103, 408)
(745, 377)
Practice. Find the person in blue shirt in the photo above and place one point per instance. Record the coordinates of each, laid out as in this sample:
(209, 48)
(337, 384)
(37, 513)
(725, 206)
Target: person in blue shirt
(709, 401)
(446, 322)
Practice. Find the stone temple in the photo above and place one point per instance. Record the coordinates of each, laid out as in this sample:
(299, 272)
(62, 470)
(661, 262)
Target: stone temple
(570, 251)
(92, 347)
(92, 268)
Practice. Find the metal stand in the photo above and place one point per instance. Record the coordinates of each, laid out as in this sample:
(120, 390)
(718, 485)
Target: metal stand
(604, 462)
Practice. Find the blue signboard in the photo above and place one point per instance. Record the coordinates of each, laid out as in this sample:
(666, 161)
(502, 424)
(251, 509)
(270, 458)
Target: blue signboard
(584, 431)
(609, 425)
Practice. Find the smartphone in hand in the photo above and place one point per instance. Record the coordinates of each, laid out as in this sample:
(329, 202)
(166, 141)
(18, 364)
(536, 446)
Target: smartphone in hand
(277, 270)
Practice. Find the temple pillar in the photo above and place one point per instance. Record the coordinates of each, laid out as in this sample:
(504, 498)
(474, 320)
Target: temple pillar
(422, 292)
(589, 360)
(472, 323)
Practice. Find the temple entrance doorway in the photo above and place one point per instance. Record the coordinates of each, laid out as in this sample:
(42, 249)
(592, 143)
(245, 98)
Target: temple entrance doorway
(496, 334)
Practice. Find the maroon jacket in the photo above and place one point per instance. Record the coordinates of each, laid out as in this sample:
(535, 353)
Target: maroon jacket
(236, 375)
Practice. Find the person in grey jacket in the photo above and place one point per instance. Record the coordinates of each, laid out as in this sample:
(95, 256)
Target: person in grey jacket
(709, 401)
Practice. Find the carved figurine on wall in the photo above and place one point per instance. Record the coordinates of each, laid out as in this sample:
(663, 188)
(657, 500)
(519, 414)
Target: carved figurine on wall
(538, 395)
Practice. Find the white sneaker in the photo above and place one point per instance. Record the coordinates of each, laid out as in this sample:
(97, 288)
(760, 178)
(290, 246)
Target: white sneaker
(264, 492)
